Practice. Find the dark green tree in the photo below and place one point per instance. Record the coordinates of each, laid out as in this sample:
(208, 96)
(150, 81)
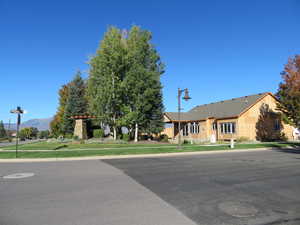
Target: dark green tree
(107, 71)
(289, 92)
(2, 130)
(76, 103)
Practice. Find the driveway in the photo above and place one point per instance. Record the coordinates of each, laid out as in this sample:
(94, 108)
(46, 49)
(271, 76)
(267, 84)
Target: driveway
(224, 188)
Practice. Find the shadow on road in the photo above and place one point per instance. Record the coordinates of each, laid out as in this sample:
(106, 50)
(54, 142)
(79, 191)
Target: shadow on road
(286, 150)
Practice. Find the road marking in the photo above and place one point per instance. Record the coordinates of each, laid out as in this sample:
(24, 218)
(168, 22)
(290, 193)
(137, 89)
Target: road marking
(18, 175)
(238, 209)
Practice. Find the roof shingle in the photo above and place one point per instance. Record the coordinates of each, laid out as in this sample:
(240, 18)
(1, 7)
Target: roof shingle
(222, 109)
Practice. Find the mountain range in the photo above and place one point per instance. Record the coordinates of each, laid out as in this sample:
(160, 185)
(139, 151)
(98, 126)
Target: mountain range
(40, 124)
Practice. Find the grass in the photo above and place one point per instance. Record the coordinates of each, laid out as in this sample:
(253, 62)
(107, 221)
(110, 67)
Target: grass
(131, 149)
(56, 146)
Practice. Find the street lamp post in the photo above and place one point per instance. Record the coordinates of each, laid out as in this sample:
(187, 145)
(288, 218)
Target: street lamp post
(186, 98)
(17, 111)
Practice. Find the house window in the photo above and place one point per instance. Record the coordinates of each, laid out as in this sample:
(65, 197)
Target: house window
(277, 124)
(185, 130)
(227, 128)
(214, 126)
(194, 128)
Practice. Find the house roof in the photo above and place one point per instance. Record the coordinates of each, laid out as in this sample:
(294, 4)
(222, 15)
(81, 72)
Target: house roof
(223, 109)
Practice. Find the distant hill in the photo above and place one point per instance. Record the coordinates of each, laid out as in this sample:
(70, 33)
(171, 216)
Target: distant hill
(40, 124)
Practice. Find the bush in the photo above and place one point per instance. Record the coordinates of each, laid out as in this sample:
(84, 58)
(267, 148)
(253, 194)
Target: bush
(242, 139)
(126, 137)
(98, 133)
(185, 142)
(69, 136)
(163, 138)
(44, 134)
(76, 138)
(144, 137)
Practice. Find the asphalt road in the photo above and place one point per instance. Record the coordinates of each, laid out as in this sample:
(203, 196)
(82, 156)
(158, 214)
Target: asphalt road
(228, 188)
(259, 187)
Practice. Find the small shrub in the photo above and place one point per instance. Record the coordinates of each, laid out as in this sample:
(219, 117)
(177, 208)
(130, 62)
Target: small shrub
(98, 133)
(185, 142)
(76, 138)
(144, 137)
(242, 139)
(164, 138)
(82, 141)
(69, 136)
(126, 137)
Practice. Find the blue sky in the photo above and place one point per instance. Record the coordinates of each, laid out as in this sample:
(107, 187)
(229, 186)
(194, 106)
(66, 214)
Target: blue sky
(218, 49)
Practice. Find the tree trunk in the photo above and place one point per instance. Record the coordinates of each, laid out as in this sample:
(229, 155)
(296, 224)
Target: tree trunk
(136, 133)
(115, 133)
(115, 128)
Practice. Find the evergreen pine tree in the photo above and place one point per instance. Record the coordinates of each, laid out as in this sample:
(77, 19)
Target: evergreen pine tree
(2, 130)
(76, 103)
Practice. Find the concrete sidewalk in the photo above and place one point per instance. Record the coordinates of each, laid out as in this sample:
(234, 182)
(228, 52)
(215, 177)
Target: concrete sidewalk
(85, 193)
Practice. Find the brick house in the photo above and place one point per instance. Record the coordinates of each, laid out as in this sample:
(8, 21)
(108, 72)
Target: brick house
(252, 117)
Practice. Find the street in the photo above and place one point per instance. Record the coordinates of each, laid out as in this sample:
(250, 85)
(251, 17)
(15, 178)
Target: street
(255, 187)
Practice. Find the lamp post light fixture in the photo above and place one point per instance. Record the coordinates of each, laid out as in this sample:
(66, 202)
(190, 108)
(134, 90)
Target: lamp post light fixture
(17, 111)
(186, 97)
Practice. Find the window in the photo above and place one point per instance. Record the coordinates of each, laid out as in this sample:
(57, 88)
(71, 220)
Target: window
(185, 130)
(277, 124)
(227, 128)
(194, 128)
(214, 126)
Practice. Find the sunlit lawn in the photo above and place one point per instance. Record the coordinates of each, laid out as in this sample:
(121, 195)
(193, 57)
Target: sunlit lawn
(120, 149)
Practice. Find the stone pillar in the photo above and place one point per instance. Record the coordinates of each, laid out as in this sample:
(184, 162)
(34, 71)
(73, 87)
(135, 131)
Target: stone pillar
(80, 129)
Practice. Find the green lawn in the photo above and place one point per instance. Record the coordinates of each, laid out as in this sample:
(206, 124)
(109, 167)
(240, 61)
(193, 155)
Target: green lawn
(131, 149)
(62, 146)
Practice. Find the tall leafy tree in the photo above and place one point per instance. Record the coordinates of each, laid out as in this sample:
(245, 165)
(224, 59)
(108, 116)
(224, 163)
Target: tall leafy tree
(28, 133)
(142, 83)
(289, 92)
(56, 124)
(76, 103)
(107, 71)
(2, 130)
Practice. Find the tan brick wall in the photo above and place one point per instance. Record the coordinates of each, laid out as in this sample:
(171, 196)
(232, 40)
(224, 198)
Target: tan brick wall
(222, 136)
(247, 122)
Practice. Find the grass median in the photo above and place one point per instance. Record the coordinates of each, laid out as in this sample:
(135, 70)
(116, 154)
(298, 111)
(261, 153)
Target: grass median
(132, 149)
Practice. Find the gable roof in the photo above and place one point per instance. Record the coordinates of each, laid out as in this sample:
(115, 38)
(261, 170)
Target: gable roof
(223, 109)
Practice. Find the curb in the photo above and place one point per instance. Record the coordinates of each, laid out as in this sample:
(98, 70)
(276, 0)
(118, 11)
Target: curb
(157, 155)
